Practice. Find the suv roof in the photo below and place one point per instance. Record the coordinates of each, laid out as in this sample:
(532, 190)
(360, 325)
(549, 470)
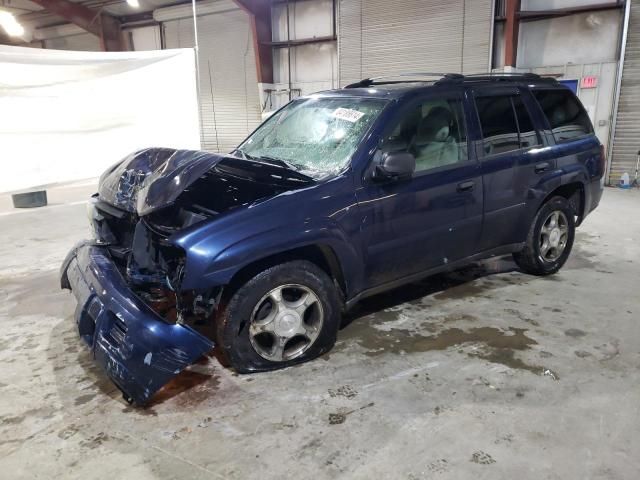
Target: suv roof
(398, 85)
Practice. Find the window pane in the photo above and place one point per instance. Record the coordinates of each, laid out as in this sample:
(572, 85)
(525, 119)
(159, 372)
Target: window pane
(433, 132)
(498, 122)
(567, 118)
(528, 135)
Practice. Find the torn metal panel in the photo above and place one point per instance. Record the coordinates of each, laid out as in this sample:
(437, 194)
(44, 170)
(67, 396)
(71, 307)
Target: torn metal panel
(137, 349)
(153, 178)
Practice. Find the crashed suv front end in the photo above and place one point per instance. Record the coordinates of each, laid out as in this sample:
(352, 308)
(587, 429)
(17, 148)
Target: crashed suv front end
(139, 322)
(138, 349)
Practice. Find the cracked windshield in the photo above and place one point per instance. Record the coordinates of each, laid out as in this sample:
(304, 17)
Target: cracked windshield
(315, 136)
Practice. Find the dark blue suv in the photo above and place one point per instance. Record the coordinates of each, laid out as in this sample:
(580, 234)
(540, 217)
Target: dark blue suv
(337, 196)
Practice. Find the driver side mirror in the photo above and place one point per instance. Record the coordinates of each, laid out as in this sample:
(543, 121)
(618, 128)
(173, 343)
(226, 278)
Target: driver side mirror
(395, 166)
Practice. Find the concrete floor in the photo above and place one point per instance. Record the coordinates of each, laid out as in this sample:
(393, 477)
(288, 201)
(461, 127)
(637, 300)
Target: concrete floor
(483, 373)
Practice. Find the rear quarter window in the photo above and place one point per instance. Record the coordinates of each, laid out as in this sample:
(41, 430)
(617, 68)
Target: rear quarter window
(567, 118)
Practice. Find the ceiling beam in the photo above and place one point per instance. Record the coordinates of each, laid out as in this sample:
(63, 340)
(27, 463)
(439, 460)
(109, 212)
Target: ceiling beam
(97, 22)
(260, 16)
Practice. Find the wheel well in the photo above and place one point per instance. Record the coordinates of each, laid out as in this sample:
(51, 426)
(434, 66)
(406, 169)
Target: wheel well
(574, 193)
(322, 256)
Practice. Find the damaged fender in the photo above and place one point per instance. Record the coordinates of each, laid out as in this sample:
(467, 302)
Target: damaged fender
(137, 349)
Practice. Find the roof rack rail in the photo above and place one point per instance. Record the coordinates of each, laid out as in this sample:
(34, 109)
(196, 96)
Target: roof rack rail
(451, 77)
(503, 74)
(500, 76)
(368, 82)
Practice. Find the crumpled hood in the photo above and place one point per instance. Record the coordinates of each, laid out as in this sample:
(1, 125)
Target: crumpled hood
(153, 178)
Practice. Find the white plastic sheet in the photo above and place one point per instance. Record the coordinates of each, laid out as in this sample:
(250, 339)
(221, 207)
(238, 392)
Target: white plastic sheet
(69, 115)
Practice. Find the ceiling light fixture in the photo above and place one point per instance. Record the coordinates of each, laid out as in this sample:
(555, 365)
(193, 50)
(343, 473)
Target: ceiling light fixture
(133, 3)
(10, 25)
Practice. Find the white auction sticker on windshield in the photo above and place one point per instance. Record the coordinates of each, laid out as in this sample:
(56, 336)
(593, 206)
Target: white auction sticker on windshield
(347, 114)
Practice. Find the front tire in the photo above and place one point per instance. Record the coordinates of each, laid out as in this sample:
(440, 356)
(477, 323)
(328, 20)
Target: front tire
(549, 240)
(287, 314)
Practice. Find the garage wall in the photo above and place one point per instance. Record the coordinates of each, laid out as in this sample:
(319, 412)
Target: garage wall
(378, 37)
(626, 140)
(145, 38)
(84, 42)
(229, 100)
(581, 38)
(314, 66)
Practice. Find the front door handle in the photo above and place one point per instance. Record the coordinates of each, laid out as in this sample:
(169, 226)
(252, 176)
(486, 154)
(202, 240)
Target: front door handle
(465, 186)
(542, 167)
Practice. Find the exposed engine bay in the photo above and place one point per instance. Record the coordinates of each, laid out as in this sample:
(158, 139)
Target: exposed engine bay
(135, 221)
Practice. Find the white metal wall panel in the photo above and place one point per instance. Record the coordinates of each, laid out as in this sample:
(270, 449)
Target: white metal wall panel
(314, 67)
(146, 38)
(382, 37)
(85, 42)
(626, 140)
(229, 99)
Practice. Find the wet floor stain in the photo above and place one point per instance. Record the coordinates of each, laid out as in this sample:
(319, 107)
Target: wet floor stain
(475, 280)
(463, 291)
(377, 342)
(521, 316)
(187, 389)
(574, 332)
(11, 420)
(68, 432)
(582, 354)
(82, 399)
(94, 441)
(47, 284)
(340, 417)
(494, 345)
(508, 358)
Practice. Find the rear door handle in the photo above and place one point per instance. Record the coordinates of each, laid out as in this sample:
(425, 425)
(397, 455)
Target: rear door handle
(465, 186)
(542, 167)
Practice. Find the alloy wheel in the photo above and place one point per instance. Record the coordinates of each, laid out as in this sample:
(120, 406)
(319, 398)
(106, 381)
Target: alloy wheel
(554, 235)
(285, 322)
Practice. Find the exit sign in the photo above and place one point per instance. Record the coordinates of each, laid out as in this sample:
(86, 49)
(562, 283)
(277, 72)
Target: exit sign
(590, 81)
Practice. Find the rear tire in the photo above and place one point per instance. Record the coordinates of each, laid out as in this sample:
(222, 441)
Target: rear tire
(285, 315)
(549, 240)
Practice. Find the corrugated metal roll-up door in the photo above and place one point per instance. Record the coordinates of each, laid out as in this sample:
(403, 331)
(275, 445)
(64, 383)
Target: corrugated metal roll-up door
(383, 37)
(626, 140)
(229, 100)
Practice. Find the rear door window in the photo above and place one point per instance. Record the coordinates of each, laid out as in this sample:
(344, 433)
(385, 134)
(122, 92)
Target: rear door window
(566, 116)
(529, 137)
(499, 125)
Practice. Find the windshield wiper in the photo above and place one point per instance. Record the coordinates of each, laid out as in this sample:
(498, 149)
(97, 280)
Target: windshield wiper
(275, 161)
(279, 161)
(266, 158)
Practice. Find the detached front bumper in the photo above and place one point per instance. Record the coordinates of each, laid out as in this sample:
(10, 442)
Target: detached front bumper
(136, 348)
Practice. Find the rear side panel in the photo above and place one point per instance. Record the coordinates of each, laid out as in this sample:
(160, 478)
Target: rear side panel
(580, 160)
